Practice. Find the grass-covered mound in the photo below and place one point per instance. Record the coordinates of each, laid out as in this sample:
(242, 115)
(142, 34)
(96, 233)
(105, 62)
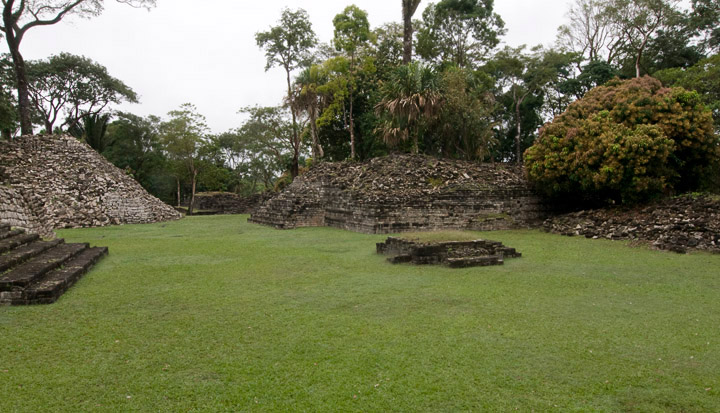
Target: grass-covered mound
(214, 314)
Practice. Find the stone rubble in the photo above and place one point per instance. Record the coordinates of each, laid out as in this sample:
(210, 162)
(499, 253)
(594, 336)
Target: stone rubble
(455, 254)
(56, 182)
(676, 224)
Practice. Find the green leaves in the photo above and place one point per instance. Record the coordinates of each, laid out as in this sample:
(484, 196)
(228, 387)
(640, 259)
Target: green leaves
(462, 32)
(287, 43)
(627, 141)
(352, 29)
(73, 86)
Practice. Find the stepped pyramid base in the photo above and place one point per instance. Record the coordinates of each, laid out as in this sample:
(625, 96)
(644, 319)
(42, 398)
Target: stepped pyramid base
(33, 271)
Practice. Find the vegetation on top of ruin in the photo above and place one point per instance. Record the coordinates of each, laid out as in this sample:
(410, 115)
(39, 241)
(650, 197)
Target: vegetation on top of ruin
(440, 84)
(628, 141)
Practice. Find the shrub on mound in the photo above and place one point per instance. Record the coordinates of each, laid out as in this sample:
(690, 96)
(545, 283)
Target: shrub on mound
(628, 141)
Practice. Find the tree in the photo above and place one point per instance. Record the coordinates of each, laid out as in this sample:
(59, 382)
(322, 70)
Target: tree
(19, 16)
(522, 75)
(137, 149)
(352, 30)
(462, 32)
(627, 141)
(704, 77)
(410, 100)
(408, 10)
(388, 48)
(705, 21)
(183, 136)
(73, 85)
(269, 133)
(591, 32)
(93, 130)
(463, 128)
(638, 20)
(311, 101)
(287, 45)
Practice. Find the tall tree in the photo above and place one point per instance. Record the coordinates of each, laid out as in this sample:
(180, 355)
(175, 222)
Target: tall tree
(184, 134)
(408, 10)
(522, 75)
(462, 32)
(463, 128)
(352, 30)
(270, 134)
(287, 45)
(639, 20)
(312, 102)
(705, 19)
(388, 47)
(591, 32)
(74, 86)
(137, 148)
(19, 16)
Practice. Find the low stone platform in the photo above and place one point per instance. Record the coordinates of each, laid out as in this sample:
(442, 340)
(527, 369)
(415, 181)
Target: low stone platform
(455, 254)
(33, 271)
(405, 193)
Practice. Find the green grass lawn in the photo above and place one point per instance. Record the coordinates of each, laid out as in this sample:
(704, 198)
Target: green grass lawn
(215, 314)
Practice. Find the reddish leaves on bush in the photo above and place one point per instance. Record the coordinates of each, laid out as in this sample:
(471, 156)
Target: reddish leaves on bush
(628, 141)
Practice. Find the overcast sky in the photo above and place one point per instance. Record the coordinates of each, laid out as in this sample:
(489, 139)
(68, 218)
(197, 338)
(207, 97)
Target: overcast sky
(204, 52)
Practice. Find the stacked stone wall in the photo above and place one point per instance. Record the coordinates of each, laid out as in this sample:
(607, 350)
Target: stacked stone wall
(66, 184)
(406, 193)
(15, 212)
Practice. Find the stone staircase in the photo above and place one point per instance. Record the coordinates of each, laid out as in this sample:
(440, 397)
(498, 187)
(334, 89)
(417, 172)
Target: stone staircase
(33, 271)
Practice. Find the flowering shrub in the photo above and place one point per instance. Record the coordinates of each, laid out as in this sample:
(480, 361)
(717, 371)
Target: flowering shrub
(627, 141)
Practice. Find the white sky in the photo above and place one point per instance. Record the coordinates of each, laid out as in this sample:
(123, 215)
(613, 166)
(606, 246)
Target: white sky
(204, 51)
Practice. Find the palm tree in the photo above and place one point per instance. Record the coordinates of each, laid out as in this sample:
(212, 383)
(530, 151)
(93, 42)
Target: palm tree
(411, 98)
(310, 101)
(92, 129)
(408, 9)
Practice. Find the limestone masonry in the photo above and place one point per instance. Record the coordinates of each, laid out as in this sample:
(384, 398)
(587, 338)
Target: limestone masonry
(406, 193)
(33, 271)
(454, 254)
(51, 182)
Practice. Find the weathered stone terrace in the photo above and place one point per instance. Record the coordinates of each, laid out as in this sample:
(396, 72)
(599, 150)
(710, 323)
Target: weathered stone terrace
(406, 193)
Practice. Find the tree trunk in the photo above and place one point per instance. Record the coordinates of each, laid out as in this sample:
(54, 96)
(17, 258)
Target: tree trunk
(177, 179)
(20, 71)
(294, 168)
(408, 10)
(407, 37)
(352, 128)
(192, 193)
(317, 148)
(518, 153)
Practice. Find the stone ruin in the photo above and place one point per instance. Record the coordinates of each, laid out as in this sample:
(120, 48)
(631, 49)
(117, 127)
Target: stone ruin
(207, 203)
(33, 271)
(406, 193)
(454, 254)
(675, 224)
(51, 182)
